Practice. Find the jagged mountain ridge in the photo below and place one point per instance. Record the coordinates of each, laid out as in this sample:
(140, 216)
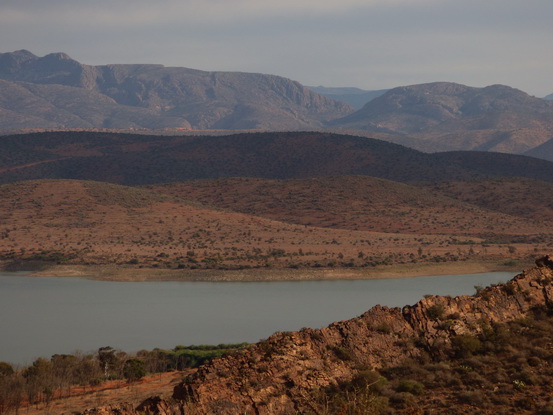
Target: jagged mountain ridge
(56, 91)
(133, 159)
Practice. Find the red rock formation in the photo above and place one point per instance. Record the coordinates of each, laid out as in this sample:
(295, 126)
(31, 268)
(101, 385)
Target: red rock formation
(276, 376)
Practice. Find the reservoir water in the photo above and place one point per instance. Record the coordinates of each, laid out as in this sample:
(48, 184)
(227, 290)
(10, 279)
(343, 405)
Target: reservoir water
(43, 316)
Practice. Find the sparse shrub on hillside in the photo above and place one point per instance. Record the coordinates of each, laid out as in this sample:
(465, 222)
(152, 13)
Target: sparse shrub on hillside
(342, 353)
(436, 311)
(410, 386)
(384, 328)
(465, 345)
(474, 398)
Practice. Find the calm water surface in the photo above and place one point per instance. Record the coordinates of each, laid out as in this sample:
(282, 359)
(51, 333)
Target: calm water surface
(49, 315)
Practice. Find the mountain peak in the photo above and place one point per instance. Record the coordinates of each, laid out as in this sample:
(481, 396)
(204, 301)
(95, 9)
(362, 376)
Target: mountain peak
(13, 61)
(22, 53)
(445, 107)
(57, 56)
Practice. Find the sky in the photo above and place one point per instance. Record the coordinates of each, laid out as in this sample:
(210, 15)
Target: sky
(369, 44)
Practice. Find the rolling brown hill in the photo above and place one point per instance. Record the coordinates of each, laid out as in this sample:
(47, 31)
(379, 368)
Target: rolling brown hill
(448, 116)
(524, 198)
(57, 92)
(78, 222)
(366, 203)
(133, 159)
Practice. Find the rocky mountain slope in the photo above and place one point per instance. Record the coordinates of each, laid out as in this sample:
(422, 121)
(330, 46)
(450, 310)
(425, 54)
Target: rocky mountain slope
(141, 159)
(292, 372)
(57, 92)
(355, 97)
(450, 116)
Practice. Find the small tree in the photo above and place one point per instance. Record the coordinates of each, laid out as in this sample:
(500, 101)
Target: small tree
(5, 369)
(108, 359)
(134, 370)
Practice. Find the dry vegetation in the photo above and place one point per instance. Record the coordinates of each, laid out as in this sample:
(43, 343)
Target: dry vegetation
(519, 197)
(67, 383)
(367, 203)
(77, 222)
(507, 368)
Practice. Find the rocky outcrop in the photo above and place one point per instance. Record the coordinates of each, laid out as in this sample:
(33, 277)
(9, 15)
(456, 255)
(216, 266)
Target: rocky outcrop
(276, 376)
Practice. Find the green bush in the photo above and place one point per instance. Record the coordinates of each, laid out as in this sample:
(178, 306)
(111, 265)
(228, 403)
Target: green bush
(342, 353)
(410, 386)
(134, 370)
(465, 345)
(436, 311)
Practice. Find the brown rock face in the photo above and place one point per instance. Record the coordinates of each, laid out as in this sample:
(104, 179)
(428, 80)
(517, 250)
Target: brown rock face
(276, 376)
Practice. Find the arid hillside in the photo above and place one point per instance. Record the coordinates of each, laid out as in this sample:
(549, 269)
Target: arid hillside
(524, 198)
(267, 200)
(90, 222)
(366, 203)
(134, 159)
(79, 222)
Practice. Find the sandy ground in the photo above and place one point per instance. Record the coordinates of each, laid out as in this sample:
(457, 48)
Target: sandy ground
(112, 392)
(126, 273)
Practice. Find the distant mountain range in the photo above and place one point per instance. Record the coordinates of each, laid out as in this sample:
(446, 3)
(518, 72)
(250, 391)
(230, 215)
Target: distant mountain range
(55, 92)
(445, 116)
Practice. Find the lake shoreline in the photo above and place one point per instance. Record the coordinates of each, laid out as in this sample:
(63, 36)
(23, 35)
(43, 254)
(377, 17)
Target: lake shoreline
(125, 273)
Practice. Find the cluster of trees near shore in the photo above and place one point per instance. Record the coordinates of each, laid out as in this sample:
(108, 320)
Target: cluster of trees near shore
(47, 379)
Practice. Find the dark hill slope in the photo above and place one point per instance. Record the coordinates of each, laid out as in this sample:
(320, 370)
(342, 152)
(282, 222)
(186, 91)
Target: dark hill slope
(499, 165)
(140, 159)
(56, 91)
(543, 151)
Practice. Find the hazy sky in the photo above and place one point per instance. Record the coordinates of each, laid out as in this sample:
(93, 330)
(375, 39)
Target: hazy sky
(370, 44)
